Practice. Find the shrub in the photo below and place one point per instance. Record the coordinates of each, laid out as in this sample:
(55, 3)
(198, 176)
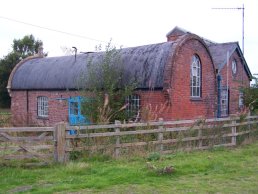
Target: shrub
(154, 156)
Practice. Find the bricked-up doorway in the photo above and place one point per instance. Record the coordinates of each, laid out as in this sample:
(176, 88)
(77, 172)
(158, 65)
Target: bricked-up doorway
(75, 113)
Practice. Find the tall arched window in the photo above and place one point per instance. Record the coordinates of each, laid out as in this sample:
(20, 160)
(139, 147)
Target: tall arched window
(196, 77)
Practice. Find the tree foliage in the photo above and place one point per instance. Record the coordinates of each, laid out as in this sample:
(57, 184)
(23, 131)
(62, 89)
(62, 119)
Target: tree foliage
(251, 96)
(106, 88)
(21, 48)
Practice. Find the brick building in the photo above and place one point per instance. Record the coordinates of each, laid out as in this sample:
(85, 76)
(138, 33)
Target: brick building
(186, 77)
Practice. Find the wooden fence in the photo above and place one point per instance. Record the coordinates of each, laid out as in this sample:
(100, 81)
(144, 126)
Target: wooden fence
(26, 143)
(48, 143)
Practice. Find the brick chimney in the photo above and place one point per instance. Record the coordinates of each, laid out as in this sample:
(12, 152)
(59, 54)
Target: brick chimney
(175, 33)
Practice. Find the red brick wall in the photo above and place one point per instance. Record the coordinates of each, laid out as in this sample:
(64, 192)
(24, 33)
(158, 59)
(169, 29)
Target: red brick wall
(152, 101)
(175, 101)
(18, 108)
(182, 105)
(58, 110)
(154, 105)
(235, 82)
(172, 103)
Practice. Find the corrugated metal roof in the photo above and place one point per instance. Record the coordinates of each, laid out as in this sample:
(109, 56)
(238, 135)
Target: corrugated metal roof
(144, 64)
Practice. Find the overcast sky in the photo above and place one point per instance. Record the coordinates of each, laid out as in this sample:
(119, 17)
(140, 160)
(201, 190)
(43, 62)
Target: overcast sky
(127, 22)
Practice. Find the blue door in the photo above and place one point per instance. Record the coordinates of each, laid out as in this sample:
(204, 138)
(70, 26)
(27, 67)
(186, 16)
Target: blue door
(75, 115)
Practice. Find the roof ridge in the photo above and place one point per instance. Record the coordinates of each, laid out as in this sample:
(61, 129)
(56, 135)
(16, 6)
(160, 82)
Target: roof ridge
(224, 43)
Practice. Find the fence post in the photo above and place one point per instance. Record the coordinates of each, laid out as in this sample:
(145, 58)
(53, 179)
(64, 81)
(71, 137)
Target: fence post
(200, 136)
(67, 143)
(117, 130)
(233, 138)
(160, 134)
(249, 120)
(59, 138)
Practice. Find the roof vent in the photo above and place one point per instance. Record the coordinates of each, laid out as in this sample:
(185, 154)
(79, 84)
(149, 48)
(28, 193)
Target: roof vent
(75, 52)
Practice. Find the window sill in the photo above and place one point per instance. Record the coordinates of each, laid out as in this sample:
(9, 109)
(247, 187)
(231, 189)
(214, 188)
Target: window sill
(196, 99)
(43, 118)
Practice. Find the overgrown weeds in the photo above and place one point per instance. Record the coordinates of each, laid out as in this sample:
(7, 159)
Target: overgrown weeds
(5, 119)
(199, 135)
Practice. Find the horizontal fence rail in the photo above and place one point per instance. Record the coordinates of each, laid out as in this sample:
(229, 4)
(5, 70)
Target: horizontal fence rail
(25, 143)
(59, 144)
(166, 136)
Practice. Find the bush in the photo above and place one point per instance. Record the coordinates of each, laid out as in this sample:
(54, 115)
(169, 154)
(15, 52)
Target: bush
(154, 156)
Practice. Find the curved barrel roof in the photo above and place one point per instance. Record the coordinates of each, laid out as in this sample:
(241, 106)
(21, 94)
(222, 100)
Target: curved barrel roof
(145, 64)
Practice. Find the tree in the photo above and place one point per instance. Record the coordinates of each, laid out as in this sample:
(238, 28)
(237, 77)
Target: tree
(21, 48)
(251, 96)
(106, 88)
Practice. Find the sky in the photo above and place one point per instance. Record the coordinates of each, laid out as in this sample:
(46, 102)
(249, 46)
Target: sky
(87, 23)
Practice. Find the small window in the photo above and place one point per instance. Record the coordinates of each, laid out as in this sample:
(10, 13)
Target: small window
(42, 103)
(133, 106)
(241, 99)
(195, 77)
(234, 67)
(224, 102)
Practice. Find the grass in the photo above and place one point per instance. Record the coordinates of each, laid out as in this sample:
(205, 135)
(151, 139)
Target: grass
(5, 117)
(218, 170)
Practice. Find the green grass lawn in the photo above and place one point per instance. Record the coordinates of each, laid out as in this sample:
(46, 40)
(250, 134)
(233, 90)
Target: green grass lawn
(219, 170)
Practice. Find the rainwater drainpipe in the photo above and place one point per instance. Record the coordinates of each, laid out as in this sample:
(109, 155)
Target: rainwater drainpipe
(27, 107)
(219, 97)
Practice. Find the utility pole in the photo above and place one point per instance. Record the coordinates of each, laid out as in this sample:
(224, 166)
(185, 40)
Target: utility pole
(243, 21)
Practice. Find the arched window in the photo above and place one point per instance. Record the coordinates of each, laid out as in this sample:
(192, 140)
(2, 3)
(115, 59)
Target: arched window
(42, 105)
(234, 67)
(195, 77)
(133, 105)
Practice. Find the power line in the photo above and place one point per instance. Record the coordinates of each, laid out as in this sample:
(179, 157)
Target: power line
(51, 29)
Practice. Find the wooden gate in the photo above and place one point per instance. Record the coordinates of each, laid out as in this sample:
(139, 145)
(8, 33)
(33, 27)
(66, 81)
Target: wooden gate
(29, 143)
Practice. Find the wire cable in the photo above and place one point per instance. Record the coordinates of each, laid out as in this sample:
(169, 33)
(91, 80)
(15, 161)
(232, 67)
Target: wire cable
(51, 29)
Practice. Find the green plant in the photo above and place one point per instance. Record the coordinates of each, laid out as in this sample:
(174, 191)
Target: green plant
(75, 155)
(97, 157)
(5, 119)
(250, 96)
(105, 88)
(21, 48)
(154, 156)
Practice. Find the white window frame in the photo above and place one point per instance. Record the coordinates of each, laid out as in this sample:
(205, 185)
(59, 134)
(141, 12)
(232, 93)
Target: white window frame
(234, 67)
(224, 102)
(195, 77)
(133, 104)
(241, 99)
(42, 106)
